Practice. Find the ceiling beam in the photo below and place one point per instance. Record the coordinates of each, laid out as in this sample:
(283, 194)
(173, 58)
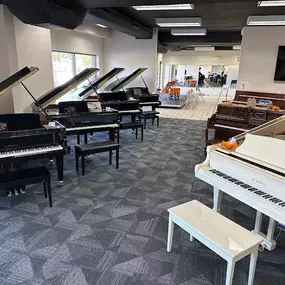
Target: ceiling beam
(127, 3)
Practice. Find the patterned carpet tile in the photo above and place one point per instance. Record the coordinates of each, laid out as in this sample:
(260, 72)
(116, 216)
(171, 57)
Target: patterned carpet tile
(110, 226)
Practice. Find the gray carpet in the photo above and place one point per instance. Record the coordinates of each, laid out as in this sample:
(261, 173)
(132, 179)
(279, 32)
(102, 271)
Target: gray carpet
(110, 227)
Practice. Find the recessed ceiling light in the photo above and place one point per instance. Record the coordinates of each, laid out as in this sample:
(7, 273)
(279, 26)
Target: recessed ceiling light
(270, 3)
(102, 26)
(164, 7)
(188, 32)
(237, 47)
(179, 22)
(200, 48)
(274, 20)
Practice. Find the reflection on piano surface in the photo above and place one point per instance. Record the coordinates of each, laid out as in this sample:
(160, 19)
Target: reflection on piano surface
(254, 173)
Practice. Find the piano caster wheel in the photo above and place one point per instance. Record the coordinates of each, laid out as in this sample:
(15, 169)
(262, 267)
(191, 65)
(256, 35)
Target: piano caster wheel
(261, 248)
(60, 183)
(52, 161)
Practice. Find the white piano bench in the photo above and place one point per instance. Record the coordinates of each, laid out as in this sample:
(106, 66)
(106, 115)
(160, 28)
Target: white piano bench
(226, 238)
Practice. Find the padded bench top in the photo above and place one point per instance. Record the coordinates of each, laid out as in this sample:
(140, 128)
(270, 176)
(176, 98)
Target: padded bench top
(227, 235)
(148, 113)
(96, 145)
(24, 174)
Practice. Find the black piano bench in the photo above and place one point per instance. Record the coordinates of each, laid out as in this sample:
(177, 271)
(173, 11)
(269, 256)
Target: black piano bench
(147, 115)
(25, 177)
(97, 147)
(133, 125)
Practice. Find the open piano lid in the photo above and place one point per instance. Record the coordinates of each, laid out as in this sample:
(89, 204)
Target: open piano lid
(99, 83)
(116, 86)
(61, 90)
(263, 145)
(17, 78)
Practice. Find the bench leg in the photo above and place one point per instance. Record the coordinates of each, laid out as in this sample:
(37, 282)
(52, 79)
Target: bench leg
(49, 192)
(218, 196)
(117, 158)
(83, 164)
(157, 121)
(142, 134)
(110, 156)
(145, 123)
(136, 133)
(45, 188)
(230, 272)
(76, 161)
(252, 266)
(170, 233)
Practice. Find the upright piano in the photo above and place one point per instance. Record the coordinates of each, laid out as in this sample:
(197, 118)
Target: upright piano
(78, 117)
(253, 173)
(23, 137)
(236, 118)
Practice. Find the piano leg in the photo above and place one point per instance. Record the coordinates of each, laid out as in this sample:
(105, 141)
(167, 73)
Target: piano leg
(217, 201)
(269, 243)
(59, 165)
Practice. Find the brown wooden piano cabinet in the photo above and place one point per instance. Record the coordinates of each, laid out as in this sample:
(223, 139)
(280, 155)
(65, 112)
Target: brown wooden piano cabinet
(232, 119)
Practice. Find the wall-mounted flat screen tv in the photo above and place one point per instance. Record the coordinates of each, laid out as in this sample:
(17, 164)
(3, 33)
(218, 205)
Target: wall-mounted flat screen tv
(280, 65)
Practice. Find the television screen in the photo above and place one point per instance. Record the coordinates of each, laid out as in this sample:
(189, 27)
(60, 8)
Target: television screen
(280, 66)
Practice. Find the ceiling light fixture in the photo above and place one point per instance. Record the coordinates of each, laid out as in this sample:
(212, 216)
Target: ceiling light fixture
(274, 20)
(102, 26)
(188, 32)
(200, 48)
(179, 22)
(270, 3)
(164, 7)
(237, 47)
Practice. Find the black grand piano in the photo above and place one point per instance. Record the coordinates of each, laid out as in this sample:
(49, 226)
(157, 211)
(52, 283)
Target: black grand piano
(78, 117)
(141, 94)
(23, 137)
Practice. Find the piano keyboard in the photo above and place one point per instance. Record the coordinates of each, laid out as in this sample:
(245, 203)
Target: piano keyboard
(230, 128)
(29, 151)
(129, 112)
(252, 191)
(92, 127)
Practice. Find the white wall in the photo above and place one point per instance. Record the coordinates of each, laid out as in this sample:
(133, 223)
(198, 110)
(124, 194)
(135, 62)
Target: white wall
(76, 42)
(202, 57)
(6, 100)
(258, 58)
(130, 53)
(33, 46)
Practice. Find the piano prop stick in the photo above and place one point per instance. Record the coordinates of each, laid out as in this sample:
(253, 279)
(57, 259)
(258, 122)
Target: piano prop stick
(100, 83)
(253, 172)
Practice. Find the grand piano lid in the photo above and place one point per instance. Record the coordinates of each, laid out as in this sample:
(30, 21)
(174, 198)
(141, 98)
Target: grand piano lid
(61, 90)
(17, 78)
(122, 82)
(266, 151)
(99, 83)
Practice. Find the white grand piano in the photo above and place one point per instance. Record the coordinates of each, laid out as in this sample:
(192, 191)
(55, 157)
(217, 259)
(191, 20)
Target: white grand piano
(254, 173)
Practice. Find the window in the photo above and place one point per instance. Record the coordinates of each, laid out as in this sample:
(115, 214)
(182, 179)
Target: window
(66, 65)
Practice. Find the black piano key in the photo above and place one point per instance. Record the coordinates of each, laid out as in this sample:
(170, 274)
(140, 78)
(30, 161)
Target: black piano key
(267, 196)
